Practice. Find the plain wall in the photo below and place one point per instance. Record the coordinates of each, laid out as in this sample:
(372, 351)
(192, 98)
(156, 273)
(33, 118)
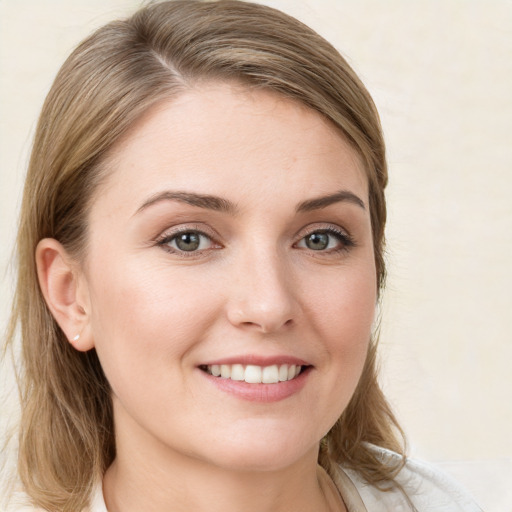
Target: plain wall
(440, 72)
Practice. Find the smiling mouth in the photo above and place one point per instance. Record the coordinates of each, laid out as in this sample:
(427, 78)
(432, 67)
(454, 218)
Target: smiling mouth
(253, 374)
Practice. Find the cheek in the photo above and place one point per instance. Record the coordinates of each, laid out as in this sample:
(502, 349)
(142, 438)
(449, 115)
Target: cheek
(344, 307)
(343, 318)
(144, 317)
(338, 318)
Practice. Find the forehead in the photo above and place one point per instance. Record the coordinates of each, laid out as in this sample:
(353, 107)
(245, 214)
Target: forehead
(224, 138)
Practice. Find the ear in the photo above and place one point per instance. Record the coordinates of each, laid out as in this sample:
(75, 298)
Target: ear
(65, 291)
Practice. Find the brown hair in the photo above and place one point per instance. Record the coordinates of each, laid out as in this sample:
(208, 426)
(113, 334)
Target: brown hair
(107, 83)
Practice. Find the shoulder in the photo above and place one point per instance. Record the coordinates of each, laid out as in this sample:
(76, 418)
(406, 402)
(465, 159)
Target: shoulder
(423, 487)
(19, 502)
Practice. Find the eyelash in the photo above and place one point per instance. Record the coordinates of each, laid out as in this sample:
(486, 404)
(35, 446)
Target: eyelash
(345, 240)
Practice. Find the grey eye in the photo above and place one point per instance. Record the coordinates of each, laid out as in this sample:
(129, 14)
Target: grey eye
(188, 241)
(317, 241)
(326, 240)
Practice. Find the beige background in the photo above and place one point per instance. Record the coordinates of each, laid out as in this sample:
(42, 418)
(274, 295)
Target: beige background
(440, 72)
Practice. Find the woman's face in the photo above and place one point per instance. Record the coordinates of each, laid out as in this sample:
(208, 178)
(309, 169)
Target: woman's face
(232, 235)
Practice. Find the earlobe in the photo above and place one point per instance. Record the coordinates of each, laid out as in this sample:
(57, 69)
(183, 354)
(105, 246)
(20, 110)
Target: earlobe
(60, 283)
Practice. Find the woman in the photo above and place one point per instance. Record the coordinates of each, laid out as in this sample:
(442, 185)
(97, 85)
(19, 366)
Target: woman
(200, 257)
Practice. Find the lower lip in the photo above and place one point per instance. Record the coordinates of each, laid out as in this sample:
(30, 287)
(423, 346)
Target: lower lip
(265, 393)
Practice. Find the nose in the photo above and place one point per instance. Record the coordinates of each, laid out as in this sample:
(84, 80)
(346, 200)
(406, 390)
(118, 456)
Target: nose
(263, 296)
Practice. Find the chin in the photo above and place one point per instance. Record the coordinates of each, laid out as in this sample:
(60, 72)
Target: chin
(262, 453)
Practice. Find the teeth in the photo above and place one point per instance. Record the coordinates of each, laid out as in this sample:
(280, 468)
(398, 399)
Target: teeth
(255, 374)
(252, 374)
(237, 372)
(270, 374)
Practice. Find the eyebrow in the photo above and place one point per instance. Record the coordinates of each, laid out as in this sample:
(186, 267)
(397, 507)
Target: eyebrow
(200, 200)
(325, 201)
(220, 204)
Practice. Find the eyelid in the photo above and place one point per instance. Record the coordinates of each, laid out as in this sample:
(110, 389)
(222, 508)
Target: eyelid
(184, 228)
(323, 226)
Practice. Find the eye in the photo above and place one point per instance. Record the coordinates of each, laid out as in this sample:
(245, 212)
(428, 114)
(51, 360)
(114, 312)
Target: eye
(326, 240)
(186, 241)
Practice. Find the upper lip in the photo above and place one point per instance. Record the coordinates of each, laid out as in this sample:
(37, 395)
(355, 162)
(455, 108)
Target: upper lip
(258, 360)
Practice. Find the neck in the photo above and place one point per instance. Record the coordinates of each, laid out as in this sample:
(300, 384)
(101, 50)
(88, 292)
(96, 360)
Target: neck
(213, 491)
(149, 476)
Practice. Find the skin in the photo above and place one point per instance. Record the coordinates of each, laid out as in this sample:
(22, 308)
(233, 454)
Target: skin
(253, 287)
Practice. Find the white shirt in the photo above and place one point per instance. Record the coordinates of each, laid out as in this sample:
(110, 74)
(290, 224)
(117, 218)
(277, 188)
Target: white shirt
(427, 488)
